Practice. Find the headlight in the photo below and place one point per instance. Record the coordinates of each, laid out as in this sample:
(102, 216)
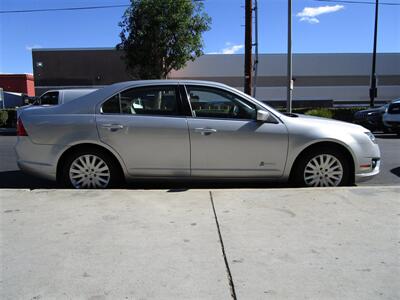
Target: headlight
(371, 137)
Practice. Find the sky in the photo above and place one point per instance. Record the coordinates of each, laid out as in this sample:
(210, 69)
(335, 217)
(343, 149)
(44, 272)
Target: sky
(318, 27)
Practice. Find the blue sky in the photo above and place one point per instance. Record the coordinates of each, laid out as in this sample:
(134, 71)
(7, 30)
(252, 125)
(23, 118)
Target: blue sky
(317, 27)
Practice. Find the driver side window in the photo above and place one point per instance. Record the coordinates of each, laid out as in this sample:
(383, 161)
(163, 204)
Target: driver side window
(210, 102)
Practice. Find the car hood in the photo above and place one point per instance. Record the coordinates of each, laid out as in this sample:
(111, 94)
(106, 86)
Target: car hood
(318, 123)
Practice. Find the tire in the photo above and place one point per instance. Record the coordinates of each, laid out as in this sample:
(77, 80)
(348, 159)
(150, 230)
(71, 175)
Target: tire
(333, 171)
(90, 169)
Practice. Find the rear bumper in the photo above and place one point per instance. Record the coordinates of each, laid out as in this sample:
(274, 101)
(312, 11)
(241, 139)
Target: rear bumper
(38, 169)
(36, 159)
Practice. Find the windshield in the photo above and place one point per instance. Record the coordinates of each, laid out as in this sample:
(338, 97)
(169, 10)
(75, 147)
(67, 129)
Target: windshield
(269, 108)
(49, 98)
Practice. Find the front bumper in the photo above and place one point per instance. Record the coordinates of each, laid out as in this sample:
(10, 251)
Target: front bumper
(367, 175)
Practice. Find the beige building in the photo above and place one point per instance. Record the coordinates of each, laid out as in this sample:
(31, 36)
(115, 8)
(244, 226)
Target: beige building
(338, 77)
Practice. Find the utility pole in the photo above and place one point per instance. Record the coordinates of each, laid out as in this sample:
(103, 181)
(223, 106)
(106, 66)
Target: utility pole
(289, 61)
(255, 68)
(373, 91)
(248, 46)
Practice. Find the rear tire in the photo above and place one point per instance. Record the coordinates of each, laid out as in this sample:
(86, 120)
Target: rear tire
(323, 166)
(90, 169)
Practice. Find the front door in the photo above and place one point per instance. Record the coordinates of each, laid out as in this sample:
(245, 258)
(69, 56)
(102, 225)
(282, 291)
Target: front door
(227, 141)
(147, 128)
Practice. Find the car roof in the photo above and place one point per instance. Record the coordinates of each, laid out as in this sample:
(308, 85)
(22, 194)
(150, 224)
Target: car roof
(88, 103)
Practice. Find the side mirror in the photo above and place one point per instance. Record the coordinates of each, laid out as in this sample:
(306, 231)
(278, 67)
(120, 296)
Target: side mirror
(262, 115)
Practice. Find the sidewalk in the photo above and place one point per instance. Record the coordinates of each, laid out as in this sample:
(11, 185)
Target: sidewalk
(340, 243)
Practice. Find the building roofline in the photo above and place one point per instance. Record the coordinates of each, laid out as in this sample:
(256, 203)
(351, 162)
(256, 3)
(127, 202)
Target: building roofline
(73, 49)
(209, 54)
(21, 75)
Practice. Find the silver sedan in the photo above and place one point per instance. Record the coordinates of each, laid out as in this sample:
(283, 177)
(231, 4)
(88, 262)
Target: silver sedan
(187, 129)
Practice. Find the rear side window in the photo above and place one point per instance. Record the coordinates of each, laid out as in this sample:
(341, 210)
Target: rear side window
(111, 106)
(49, 98)
(144, 101)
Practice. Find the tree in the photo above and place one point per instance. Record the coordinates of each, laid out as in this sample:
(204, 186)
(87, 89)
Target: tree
(161, 35)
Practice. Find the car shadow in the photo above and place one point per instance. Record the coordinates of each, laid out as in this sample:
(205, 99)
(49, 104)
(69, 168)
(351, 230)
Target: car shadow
(19, 180)
(396, 171)
(180, 186)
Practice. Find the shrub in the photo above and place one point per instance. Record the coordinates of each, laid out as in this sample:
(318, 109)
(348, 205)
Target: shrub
(3, 118)
(8, 118)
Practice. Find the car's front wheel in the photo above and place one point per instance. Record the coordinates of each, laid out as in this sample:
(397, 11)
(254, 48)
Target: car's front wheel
(90, 169)
(322, 167)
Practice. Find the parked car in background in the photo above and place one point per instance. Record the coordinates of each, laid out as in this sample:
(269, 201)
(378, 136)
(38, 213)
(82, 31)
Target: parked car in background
(372, 118)
(55, 97)
(391, 118)
(184, 129)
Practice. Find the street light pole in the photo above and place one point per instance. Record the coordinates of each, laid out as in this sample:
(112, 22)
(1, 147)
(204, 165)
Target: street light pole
(248, 47)
(373, 91)
(255, 67)
(289, 61)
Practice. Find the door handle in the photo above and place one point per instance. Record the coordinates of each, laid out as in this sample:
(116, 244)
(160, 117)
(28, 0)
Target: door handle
(112, 127)
(205, 131)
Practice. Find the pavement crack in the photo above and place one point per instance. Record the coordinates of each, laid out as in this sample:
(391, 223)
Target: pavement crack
(228, 270)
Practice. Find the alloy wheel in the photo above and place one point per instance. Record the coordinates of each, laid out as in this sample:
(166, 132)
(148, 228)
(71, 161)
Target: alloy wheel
(89, 171)
(323, 170)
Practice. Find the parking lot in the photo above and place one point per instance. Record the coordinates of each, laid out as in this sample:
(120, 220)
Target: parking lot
(11, 177)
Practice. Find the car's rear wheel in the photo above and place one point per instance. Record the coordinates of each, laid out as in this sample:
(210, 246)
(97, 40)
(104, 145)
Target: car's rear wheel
(322, 167)
(90, 169)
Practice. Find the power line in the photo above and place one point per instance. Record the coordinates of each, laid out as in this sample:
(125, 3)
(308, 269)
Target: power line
(126, 5)
(359, 2)
(60, 9)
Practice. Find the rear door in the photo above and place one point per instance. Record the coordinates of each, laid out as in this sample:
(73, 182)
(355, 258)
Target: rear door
(227, 141)
(146, 126)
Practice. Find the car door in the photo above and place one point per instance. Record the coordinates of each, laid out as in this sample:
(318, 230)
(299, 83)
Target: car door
(228, 141)
(146, 126)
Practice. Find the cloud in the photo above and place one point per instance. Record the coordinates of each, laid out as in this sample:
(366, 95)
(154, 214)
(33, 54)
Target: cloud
(230, 49)
(35, 46)
(310, 14)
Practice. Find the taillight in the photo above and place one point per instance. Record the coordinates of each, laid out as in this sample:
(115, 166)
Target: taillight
(20, 128)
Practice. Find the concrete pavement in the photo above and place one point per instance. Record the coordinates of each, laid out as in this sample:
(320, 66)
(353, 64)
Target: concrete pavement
(313, 243)
(339, 243)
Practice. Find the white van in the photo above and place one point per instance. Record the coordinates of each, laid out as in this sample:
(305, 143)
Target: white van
(55, 97)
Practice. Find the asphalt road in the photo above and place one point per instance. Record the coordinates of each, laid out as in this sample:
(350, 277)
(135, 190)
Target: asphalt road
(12, 177)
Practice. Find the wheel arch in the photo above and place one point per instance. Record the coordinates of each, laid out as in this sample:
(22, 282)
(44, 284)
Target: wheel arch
(333, 144)
(79, 147)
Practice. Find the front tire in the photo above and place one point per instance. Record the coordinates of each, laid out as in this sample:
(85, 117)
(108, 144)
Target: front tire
(90, 169)
(322, 167)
